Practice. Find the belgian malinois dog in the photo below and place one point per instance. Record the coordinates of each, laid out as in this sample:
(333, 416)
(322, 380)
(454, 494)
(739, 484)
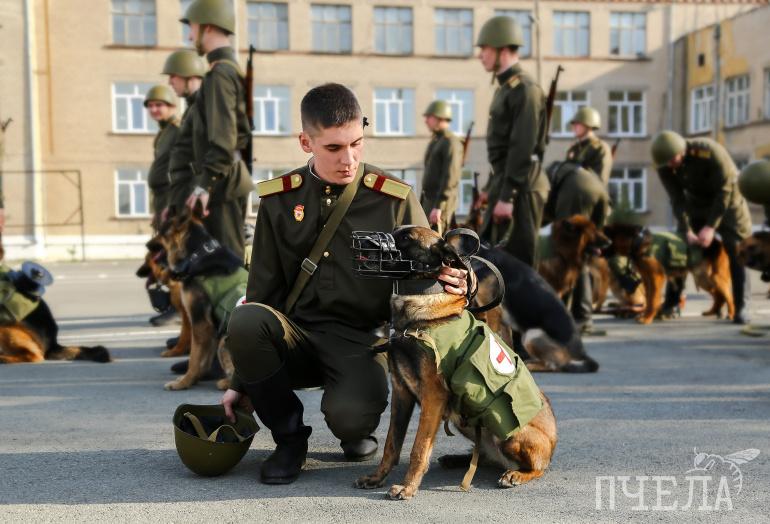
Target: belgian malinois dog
(416, 378)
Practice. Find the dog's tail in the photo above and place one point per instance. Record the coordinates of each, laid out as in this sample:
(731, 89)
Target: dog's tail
(585, 365)
(93, 353)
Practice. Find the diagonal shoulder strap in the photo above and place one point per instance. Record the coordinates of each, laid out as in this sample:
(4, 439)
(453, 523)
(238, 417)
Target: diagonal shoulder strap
(310, 264)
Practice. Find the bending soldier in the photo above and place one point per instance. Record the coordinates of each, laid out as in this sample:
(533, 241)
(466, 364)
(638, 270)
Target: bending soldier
(588, 150)
(443, 168)
(323, 336)
(160, 102)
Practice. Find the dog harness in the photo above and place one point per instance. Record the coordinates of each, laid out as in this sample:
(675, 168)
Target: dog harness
(14, 305)
(224, 292)
(672, 251)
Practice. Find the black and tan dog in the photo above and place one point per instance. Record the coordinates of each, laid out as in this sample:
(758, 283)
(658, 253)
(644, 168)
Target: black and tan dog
(417, 377)
(754, 253)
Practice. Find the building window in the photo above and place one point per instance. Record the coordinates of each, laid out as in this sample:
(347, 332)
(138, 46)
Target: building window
(131, 193)
(271, 110)
(133, 22)
(454, 32)
(736, 100)
(767, 94)
(332, 29)
(524, 18)
(410, 176)
(268, 25)
(565, 106)
(393, 30)
(628, 187)
(701, 108)
(183, 5)
(260, 175)
(394, 112)
(461, 102)
(626, 113)
(570, 35)
(628, 34)
(128, 112)
(465, 200)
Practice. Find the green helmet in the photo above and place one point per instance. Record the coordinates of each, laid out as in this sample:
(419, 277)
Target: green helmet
(754, 182)
(501, 31)
(207, 442)
(665, 146)
(588, 116)
(160, 93)
(624, 215)
(439, 109)
(186, 63)
(212, 12)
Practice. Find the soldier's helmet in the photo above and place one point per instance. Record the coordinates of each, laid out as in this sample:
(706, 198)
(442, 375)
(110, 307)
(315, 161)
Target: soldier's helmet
(754, 182)
(185, 63)
(501, 31)
(160, 93)
(439, 109)
(207, 442)
(624, 215)
(588, 116)
(212, 12)
(665, 146)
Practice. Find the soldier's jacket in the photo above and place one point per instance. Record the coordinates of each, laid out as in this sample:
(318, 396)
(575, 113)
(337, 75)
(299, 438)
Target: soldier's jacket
(594, 154)
(157, 178)
(221, 129)
(516, 134)
(576, 191)
(443, 169)
(288, 224)
(703, 190)
(180, 174)
(491, 387)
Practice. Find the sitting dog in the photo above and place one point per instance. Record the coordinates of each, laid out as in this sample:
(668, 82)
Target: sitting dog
(441, 358)
(213, 282)
(28, 331)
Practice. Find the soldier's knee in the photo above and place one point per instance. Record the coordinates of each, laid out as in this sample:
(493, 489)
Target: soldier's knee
(251, 333)
(351, 419)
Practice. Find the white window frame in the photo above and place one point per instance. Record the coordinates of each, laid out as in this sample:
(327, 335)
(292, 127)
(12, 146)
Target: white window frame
(277, 26)
(465, 186)
(147, 38)
(635, 34)
(524, 18)
(140, 90)
(396, 97)
(183, 5)
(566, 110)
(281, 105)
(463, 28)
(410, 175)
(341, 47)
(403, 45)
(702, 102)
(462, 113)
(737, 100)
(579, 32)
(260, 174)
(616, 185)
(628, 105)
(141, 180)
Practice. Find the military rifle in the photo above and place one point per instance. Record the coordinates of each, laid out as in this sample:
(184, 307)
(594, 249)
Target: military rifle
(467, 142)
(615, 147)
(248, 84)
(550, 102)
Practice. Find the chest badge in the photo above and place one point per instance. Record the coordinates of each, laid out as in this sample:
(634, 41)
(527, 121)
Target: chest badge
(499, 358)
(299, 212)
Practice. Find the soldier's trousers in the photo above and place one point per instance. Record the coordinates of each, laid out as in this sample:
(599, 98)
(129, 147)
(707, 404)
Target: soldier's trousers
(527, 216)
(261, 340)
(225, 223)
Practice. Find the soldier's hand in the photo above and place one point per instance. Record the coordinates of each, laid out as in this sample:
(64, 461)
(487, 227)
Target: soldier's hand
(706, 236)
(692, 238)
(199, 195)
(455, 280)
(229, 399)
(503, 212)
(435, 216)
(482, 200)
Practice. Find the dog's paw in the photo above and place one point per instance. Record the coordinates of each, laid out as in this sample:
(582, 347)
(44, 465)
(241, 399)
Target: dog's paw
(398, 492)
(176, 385)
(369, 482)
(223, 384)
(174, 352)
(644, 320)
(510, 479)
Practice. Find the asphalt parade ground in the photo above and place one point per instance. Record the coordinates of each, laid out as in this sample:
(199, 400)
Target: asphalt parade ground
(655, 435)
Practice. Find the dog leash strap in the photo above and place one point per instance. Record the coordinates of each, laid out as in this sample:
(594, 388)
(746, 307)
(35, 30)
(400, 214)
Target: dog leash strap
(468, 478)
(310, 264)
(500, 291)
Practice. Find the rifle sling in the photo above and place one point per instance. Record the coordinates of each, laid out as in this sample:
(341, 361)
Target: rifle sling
(310, 264)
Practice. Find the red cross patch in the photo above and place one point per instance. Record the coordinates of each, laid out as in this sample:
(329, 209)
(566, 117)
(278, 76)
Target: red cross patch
(499, 357)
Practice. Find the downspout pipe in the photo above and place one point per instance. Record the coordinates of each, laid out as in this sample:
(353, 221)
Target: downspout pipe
(33, 110)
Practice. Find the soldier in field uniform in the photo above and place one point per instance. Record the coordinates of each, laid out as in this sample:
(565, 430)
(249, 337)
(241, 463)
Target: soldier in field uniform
(161, 102)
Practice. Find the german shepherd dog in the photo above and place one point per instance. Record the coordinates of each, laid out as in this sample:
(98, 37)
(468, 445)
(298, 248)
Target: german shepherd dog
(530, 305)
(415, 378)
(712, 274)
(191, 252)
(754, 253)
(155, 269)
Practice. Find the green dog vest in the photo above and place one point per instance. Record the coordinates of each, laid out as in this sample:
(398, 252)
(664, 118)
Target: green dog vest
(14, 306)
(224, 291)
(491, 387)
(671, 250)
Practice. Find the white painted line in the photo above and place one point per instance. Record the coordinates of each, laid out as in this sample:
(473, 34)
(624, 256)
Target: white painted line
(130, 318)
(119, 335)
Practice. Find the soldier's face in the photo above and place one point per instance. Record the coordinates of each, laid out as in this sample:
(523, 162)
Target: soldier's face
(431, 122)
(579, 129)
(676, 161)
(159, 110)
(488, 56)
(178, 84)
(336, 151)
(195, 36)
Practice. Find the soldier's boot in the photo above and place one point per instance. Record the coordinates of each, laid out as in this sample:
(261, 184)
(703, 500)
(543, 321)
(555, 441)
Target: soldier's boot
(166, 317)
(172, 342)
(215, 372)
(359, 450)
(741, 293)
(673, 297)
(280, 410)
(582, 306)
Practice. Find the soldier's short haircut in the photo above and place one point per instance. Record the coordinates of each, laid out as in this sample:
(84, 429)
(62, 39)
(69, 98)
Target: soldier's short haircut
(329, 105)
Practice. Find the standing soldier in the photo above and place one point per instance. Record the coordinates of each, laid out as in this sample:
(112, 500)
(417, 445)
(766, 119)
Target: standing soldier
(185, 70)
(221, 128)
(516, 135)
(443, 167)
(160, 102)
(589, 150)
(701, 181)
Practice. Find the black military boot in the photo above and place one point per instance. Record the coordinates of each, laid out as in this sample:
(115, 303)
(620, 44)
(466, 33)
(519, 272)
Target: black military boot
(215, 372)
(172, 342)
(165, 318)
(359, 450)
(741, 293)
(279, 408)
(673, 297)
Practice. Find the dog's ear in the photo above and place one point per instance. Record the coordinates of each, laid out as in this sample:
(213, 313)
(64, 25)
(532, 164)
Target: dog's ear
(465, 242)
(154, 245)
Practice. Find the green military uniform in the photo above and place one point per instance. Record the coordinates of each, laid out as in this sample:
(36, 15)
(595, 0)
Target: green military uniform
(326, 339)
(443, 169)
(157, 178)
(516, 135)
(576, 191)
(180, 175)
(594, 154)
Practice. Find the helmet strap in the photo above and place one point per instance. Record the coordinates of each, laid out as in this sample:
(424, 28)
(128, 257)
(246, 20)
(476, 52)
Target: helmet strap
(496, 67)
(199, 40)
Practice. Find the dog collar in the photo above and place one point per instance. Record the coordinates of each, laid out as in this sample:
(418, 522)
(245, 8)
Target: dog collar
(417, 287)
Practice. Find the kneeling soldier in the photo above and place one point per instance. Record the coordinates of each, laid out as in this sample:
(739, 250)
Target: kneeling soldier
(308, 320)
